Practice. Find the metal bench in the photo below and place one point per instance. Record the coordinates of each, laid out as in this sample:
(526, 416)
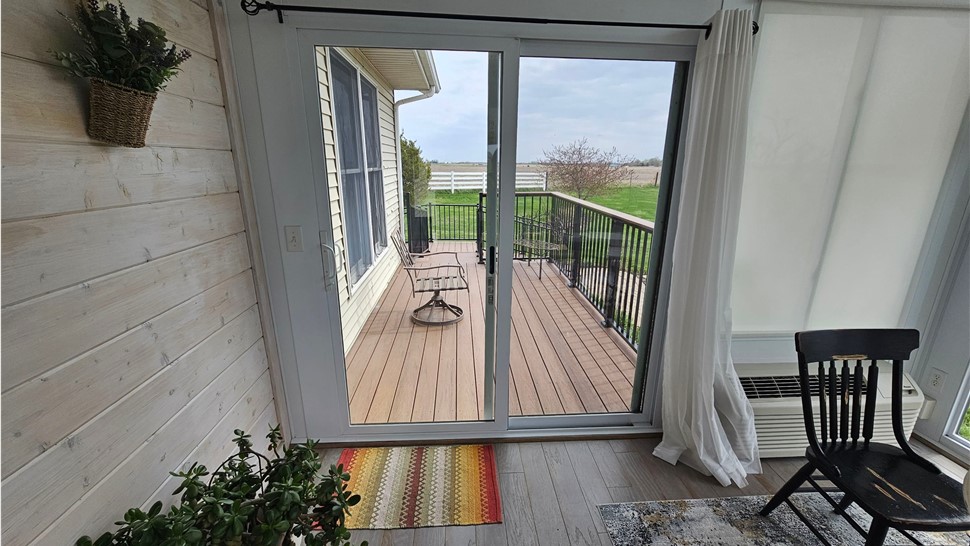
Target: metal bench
(434, 279)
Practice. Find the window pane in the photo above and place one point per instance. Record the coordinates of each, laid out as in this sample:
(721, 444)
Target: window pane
(346, 109)
(595, 129)
(355, 209)
(378, 216)
(372, 137)
(372, 142)
(354, 193)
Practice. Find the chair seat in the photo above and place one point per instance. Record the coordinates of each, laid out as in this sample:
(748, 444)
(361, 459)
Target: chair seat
(440, 284)
(886, 483)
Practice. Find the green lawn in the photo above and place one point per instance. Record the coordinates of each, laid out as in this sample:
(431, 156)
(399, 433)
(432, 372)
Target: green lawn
(965, 425)
(639, 201)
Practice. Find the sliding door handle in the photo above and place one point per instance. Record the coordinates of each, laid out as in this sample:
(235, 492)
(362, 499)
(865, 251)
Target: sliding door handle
(329, 272)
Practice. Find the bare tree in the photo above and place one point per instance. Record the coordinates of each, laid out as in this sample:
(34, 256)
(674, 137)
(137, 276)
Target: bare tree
(584, 170)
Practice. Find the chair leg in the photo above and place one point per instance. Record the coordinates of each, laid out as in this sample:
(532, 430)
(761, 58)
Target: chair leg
(877, 532)
(790, 486)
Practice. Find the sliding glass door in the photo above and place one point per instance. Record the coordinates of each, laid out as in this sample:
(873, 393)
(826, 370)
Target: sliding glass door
(595, 129)
(417, 306)
(491, 214)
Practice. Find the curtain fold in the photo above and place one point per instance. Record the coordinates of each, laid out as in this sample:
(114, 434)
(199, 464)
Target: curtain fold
(708, 422)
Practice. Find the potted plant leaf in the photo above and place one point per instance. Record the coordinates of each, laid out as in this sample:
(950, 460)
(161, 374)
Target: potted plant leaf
(126, 63)
(249, 500)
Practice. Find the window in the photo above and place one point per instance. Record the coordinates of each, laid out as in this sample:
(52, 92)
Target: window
(355, 106)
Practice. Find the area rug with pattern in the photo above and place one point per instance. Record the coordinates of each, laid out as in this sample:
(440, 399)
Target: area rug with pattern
(405, 487)
(734, 521)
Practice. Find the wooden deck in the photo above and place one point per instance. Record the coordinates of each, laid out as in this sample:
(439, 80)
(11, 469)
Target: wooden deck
(562, 360)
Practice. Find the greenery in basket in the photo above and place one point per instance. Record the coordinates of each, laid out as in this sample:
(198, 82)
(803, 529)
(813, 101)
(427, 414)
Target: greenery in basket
(116, 50)
(249, 500)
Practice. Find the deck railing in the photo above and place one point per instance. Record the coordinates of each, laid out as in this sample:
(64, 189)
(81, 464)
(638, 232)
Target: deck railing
(603, 253)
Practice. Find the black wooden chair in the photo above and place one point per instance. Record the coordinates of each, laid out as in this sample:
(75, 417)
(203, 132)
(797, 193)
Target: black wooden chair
(894, 485)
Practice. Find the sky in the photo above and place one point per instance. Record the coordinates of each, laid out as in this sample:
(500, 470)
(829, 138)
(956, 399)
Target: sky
(620, 104)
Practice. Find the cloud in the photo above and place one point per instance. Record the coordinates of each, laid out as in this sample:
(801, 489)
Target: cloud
(620, 104)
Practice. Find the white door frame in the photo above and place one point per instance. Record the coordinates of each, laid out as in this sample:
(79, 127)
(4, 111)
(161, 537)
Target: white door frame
(285, 147)
(950, 440)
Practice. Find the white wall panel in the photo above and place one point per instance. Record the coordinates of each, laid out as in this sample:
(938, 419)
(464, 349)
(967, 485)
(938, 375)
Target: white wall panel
(854, 116)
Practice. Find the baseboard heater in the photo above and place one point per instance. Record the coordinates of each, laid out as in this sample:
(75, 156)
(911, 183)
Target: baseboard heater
(775, 395)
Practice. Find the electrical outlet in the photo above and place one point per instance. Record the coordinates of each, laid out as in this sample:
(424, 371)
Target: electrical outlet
(935, 380)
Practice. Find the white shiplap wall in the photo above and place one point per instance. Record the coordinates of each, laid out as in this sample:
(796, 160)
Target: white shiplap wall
(131, 335)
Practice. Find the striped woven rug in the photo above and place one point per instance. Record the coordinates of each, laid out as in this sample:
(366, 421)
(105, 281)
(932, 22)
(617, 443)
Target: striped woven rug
(404, 487)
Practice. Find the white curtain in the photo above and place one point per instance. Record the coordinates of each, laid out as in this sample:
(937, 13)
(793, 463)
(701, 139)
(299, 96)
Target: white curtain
(708, 422)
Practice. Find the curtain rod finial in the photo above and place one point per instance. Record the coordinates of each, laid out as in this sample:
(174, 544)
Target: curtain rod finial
(251, 7)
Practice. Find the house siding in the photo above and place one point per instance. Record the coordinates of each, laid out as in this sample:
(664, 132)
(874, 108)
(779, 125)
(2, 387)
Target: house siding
(357, 302)
(131, 335)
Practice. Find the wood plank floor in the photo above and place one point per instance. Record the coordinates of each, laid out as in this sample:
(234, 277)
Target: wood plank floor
(562, 360)
(550, 490)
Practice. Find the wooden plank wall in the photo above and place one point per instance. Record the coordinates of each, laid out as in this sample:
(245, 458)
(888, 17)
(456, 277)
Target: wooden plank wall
(356, 303)
(131, 335)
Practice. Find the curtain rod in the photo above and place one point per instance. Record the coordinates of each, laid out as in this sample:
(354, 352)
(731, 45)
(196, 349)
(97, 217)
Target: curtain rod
(254, 7)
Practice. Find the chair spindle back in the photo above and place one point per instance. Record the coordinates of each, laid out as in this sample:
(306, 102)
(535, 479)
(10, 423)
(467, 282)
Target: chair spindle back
(402, 249)
(848, 373)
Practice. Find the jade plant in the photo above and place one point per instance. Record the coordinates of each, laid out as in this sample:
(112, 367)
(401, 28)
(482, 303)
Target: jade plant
(249, 500)
(116, 49)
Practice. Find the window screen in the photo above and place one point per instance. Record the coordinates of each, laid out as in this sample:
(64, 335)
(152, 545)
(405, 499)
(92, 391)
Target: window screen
(375, 180)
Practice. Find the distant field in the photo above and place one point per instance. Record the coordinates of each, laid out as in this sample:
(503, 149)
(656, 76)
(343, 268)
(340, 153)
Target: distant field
(641, 175)
(639, 201)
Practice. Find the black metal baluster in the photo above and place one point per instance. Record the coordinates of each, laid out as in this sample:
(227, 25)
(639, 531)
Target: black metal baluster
(480, 227)
(641, 236)
(577, 245)
(629, 323)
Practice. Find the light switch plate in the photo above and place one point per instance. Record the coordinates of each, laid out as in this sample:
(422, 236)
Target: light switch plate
(294, 238)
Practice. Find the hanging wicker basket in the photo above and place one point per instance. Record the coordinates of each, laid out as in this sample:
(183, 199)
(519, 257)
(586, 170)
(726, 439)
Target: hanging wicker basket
(119, 115)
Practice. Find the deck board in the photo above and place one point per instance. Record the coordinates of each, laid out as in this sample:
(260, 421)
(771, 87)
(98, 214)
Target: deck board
(562, 360)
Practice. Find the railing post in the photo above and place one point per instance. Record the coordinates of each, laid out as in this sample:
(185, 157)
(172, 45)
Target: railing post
(452, 181)
(480, 229)
(613, 252)
(576, 244)
(430, 223)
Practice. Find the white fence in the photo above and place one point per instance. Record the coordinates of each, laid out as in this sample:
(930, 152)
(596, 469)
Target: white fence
(451, 181)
